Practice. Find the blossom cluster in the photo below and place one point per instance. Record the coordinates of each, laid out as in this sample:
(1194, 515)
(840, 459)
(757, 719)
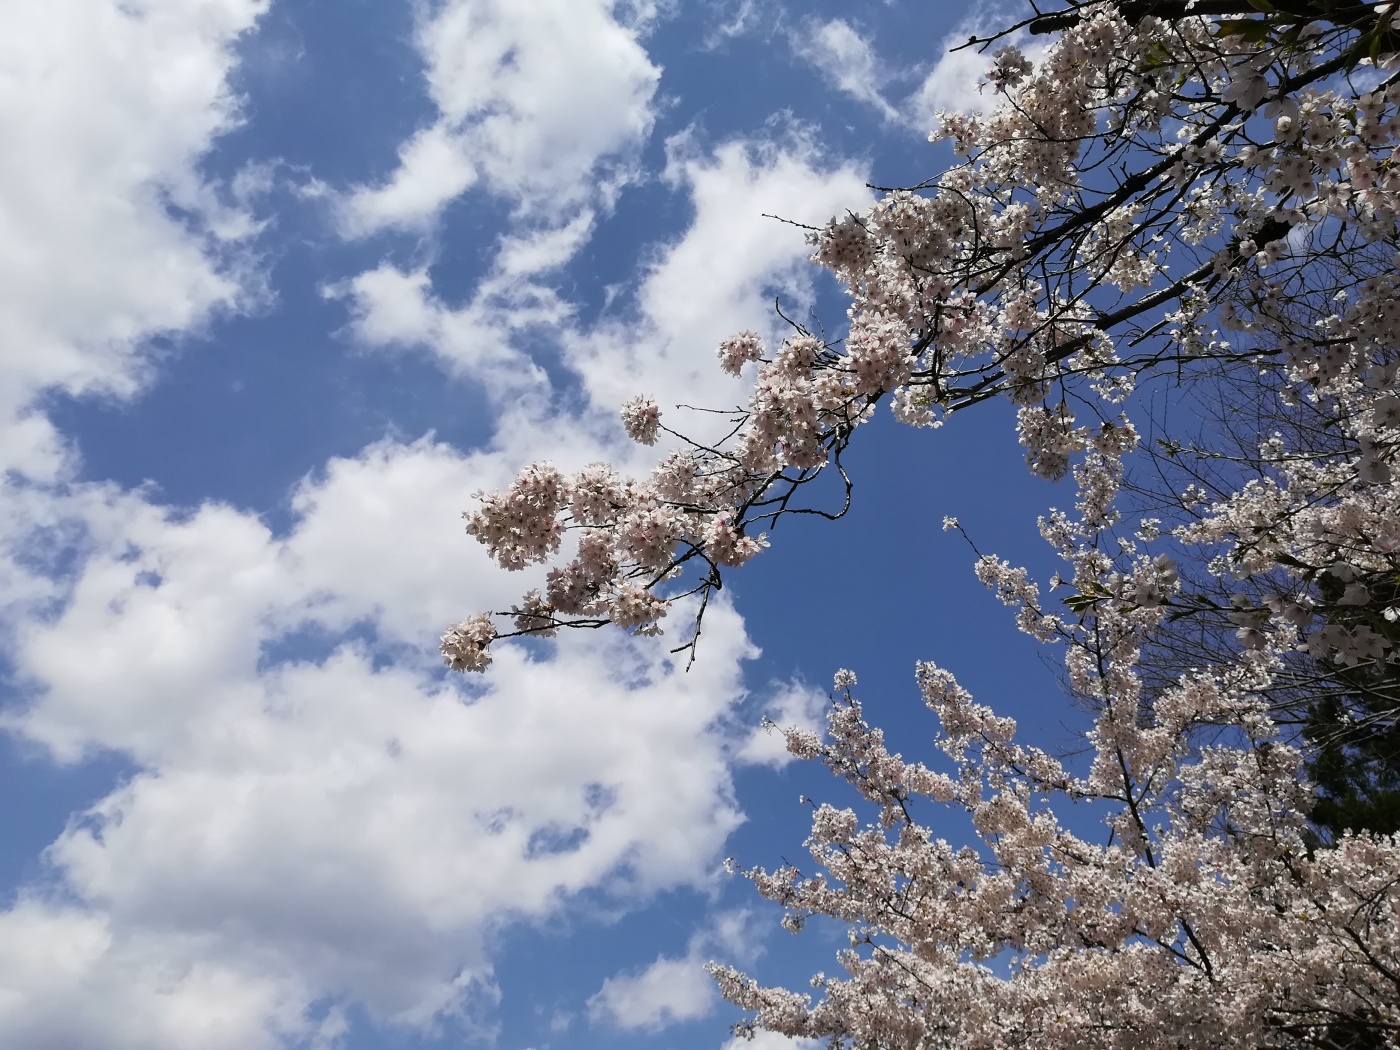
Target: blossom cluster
(629, 538)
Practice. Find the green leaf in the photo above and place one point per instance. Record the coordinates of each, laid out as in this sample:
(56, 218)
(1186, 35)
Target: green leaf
(1160, 53)
(1252, 30)
(1081, 602)
(1263, 5)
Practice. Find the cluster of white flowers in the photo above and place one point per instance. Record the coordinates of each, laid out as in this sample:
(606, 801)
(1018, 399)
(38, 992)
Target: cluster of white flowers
(737, 351)
(632, 537)
(727, 545)
(641, 419)
(519, 526)
(464, 646)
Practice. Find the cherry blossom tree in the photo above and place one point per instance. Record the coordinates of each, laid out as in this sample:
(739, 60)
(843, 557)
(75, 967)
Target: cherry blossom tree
(1348, 714)
(1178, 193)
(1158, 194)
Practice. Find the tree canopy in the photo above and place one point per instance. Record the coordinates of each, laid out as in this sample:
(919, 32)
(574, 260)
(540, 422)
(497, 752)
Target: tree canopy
(1201, 195)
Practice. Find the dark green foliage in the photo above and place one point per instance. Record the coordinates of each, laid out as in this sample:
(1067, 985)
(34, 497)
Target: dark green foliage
(1353, 731)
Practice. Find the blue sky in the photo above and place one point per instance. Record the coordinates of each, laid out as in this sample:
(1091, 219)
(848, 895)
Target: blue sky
(285, 284)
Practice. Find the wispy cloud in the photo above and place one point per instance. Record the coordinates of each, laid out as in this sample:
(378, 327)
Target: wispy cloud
(845, 60)
(850, 63)
(955, 83)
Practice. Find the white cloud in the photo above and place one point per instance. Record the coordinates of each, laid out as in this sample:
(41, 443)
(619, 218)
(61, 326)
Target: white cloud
(546, 102)
(434, 168)
(845, 59)
(720, 276)
(955, 82)
(391, 307)
(68, 981)
(771, 1041)
(733, 18)
(315, 817)
(543, 249)
(674, 988)
(714, 280)
(394, 308)
(666, 992)
(307, 820)
(106, 110)
(794, 706)
(308, 823)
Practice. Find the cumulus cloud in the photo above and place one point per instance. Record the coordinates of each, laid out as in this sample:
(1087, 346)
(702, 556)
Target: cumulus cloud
(316, 812)
(545, 103)
(309, 815)
(716, 278)
(112, 234)
(106, 112)
(434, 167)
(673, 989)
(71, 982)
(666, 992)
